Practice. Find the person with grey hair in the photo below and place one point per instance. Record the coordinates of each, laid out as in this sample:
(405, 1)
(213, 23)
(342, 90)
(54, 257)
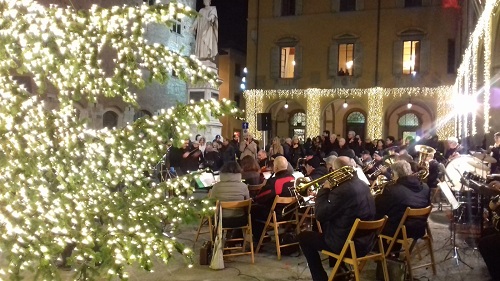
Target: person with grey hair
(277, 185)
(406, 191)
(230, 188)
(337, 209)
(454, 149)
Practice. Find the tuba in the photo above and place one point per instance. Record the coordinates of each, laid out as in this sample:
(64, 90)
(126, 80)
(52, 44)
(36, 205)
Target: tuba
(423, 152)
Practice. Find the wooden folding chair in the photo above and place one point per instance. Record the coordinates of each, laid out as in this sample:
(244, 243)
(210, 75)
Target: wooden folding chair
(358, 263)
(246, 228)
(272, 223)
(205, 221)
(401, 237)
(309, 214)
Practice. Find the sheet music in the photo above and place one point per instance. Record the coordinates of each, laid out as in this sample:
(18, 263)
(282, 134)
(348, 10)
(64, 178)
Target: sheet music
(449, 195)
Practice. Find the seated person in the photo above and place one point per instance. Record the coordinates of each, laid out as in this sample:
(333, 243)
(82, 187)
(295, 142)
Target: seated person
(454, 149)
(337, 209)
(263, 160)
(231, 188)
(277, 185)
(489, 245)
(250, 171)
(314, 169)
(407, 191)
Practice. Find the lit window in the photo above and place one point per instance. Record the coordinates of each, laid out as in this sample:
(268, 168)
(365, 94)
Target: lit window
(356, 117)
(346, 56)
(409, 120)
(287, 62)
(411, 57)
(176, 27)
(299, 119)
(288, 7)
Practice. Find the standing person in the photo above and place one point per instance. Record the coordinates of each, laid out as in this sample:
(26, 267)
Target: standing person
(287, 149)
(390, 141)
(308, 146)
(369, 145)
(190, 161)
(227, 151)
(248, 147)
(353, 142)
(331, 145)
(276, 147)
(380, 146)
(337, 209)
(206, 26)
(212, 158)
(495, 153)
(297, 152)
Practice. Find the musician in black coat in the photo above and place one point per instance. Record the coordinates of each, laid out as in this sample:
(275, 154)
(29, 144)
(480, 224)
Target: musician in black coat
(337, 208)
(407, 191)
(489, 245)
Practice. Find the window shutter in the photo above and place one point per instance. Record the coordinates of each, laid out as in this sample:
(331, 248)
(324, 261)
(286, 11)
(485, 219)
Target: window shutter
(277, 8)
(297, 72)
(333, 60)
(397, 58)
(358, 59)
(425, 56)
(275, 62)
(298, 7)
(335, 5)
(400, 3)
(360, 5)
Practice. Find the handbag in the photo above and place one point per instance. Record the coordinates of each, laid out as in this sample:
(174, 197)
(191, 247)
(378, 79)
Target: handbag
(289, 238)
(206, 253)
(217, 261)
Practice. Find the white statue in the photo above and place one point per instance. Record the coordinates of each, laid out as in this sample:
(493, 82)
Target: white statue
(206, 26)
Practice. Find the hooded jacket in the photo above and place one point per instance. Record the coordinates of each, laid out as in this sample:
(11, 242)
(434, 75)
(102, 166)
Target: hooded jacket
(408, 191)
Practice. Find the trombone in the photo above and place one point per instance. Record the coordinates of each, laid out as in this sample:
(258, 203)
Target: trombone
(303, 185)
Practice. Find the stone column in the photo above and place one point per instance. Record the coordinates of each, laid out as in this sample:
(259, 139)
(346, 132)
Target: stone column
(375, 113)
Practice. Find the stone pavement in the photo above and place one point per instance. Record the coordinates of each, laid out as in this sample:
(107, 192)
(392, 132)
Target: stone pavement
(267, 267)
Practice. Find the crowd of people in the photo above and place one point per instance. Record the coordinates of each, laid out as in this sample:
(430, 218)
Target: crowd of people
(244, 162)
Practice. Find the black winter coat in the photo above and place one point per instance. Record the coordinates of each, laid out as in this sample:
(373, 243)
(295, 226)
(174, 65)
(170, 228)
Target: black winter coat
(338, 208)
(410, 192)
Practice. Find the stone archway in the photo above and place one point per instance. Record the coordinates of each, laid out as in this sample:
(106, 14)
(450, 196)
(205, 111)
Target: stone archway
(281, 116)
(424, 115)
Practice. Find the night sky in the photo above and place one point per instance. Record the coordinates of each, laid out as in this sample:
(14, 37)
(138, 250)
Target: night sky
(232, 22)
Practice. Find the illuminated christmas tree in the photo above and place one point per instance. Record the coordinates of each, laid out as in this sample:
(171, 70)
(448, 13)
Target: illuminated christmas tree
(66, 187)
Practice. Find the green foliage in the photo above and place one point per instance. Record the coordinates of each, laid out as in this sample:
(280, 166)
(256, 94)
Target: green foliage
(65, 187)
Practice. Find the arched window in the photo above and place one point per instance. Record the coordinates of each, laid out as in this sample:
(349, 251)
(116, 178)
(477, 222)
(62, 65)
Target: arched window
(356, 122)
(109, 119)
(298, 125)
(356, 117)
(409, 119)
(141, 113)
(408, 124)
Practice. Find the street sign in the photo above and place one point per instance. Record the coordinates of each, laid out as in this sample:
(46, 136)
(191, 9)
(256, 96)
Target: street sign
(244, 125)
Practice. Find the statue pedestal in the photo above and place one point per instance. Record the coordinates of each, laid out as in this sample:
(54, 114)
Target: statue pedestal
(199, 91)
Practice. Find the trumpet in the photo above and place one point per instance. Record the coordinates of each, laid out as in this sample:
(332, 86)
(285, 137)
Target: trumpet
(303, 186)
(368, 165)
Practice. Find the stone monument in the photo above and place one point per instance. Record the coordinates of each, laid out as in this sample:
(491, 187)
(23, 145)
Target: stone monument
(206, 27)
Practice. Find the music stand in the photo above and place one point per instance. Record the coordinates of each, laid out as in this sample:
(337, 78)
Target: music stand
(455, 205)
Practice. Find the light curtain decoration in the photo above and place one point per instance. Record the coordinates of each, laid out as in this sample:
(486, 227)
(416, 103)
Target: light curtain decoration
(479, 40)
(377, 99)
(64, 186)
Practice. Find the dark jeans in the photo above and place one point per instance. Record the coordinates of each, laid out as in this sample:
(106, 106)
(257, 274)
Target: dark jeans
(311, 243)
(489, 247)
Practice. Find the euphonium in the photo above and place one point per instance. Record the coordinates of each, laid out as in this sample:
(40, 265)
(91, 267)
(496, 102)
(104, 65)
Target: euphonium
(423, 152)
